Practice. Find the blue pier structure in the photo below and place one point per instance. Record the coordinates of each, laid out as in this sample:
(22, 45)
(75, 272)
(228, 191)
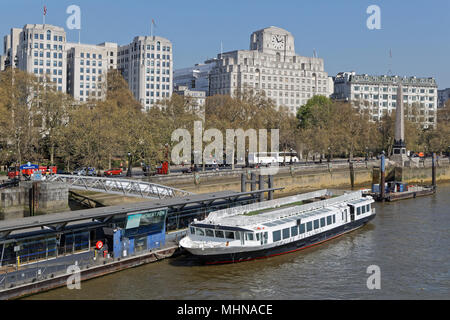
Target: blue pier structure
(143, 231)
(42, 247)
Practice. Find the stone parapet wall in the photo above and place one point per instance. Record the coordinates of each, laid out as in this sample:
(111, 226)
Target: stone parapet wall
(51, 197)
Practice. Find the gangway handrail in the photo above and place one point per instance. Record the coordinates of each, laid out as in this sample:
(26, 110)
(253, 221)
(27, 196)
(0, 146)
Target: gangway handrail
(125, 187)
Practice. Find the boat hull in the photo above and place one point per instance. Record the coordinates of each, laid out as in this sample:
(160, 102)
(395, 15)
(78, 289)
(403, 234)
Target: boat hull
(293, 246)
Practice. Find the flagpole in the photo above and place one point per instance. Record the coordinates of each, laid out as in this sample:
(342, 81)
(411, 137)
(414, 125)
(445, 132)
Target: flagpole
(43, 15)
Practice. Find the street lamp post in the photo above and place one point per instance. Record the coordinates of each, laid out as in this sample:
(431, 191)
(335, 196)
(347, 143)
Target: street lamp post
(129, 174)
(246, 158)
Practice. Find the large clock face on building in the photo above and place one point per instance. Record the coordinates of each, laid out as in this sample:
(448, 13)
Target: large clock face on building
(277, 42)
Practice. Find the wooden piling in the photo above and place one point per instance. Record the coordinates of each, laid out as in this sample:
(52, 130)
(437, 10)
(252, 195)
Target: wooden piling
(352, 174)
(383, 178)
(433, 170)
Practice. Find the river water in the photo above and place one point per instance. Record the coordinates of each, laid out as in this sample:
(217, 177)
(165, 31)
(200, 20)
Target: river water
(408, 240)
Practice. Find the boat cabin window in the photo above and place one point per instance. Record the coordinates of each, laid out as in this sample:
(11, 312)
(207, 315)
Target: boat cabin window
(276, 235)
(368, 208)
(219, 233)
(258, 236)
(363, 208)
(316, 224)
(309, 226)
(358, 211)
(286, 233)
(209, 232)
(237, 235)
(192, 230)
(294, 231)
(229, 234)
(249, 236)
(334, 218)
(329, 220)
(199, 232)
(322, 222)
(302, 228)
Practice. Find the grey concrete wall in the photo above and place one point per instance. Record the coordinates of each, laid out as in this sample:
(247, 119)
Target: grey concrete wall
(15, 202)
(300, 179)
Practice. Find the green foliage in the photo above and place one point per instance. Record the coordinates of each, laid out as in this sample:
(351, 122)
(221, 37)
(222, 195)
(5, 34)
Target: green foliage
(40, 124)
(329, 128)
(316, 106)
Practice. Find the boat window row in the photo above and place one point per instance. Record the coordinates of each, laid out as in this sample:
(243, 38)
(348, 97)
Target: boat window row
(302, 228)
(362, 209)
(223, 234)
(44, 247)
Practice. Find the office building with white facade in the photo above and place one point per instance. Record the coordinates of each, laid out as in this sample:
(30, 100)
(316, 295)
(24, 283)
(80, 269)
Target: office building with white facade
(42, 51)
(2, 62)
(75, 68)
(271, 66)
(196, 77)
(443, 96)
(11, 47)
(147, 66)
(378, 95)
(87, 67)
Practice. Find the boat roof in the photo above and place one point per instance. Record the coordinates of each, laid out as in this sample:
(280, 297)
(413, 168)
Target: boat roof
(236, 216)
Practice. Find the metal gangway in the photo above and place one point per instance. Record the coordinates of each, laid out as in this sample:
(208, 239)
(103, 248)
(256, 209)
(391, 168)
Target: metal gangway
(125, 187)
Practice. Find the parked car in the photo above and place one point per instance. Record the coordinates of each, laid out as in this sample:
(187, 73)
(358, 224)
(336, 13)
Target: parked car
(85, 171)
(113, 172)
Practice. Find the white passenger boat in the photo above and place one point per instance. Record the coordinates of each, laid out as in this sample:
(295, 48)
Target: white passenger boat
(275, 227)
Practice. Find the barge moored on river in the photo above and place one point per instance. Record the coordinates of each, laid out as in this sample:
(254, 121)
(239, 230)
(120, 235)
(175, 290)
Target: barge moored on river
(276, 227)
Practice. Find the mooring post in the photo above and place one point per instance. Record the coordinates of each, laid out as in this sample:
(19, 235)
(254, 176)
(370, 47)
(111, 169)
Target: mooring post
(253, 181)
(261, 187)
(270, 186)
(382, 169)
(433, 170)
(352, 174)
(243, 182)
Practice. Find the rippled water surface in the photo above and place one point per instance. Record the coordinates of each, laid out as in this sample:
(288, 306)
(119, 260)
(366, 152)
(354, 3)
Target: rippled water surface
(409, 240)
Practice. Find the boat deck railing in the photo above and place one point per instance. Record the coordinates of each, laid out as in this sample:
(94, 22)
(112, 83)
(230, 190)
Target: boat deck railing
(235, 216)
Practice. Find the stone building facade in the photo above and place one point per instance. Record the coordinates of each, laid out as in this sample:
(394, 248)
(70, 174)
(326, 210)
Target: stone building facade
(87, 67)
(378, 95)
(272, 67)
(147, 66)
(42, 51)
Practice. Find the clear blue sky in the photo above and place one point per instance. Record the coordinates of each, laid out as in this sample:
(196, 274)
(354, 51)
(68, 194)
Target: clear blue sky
(417, 31)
